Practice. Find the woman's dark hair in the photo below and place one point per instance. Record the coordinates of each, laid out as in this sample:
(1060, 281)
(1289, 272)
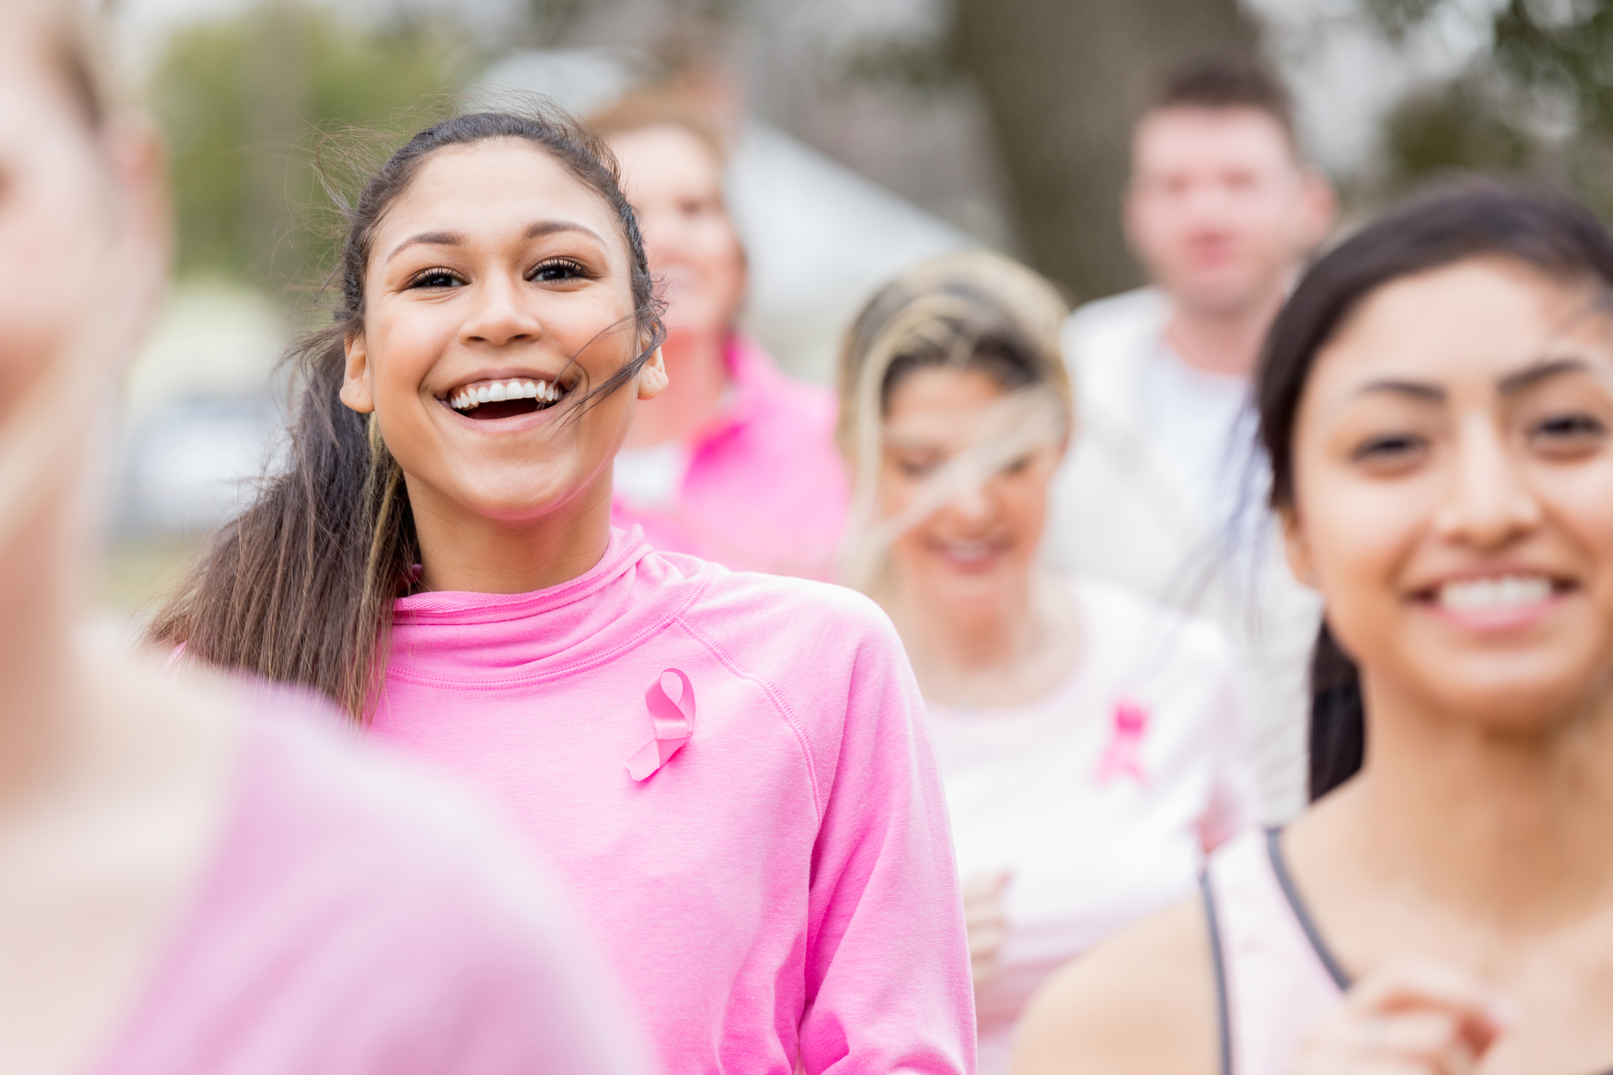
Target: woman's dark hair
(300, 587)
(1540, 228)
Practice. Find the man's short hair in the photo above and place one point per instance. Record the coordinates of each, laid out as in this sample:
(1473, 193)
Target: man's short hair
(1227, 81)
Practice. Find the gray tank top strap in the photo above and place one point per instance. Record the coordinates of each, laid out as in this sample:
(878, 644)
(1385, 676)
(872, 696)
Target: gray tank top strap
(1302, 915)
(1223, 1017)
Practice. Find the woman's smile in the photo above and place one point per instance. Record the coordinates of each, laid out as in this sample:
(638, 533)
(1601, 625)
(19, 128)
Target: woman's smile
(1496, 601)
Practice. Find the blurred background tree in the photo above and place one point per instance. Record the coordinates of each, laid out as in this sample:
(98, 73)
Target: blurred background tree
(1538, 101)
(1063, 81)
(243, 101)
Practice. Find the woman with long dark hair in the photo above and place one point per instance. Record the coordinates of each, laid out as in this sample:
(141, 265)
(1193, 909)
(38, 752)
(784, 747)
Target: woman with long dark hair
(1437, 402)
(727, 771)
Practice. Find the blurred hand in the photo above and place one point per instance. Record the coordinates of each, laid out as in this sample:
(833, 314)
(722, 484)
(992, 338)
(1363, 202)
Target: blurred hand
(987, 924)
(1412, 1017)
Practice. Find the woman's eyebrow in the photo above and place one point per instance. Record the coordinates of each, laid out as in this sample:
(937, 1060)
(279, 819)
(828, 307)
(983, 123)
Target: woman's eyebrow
(1544, 370)
(433, 238)
(1417, 390)
(550, 227)
(454, 238)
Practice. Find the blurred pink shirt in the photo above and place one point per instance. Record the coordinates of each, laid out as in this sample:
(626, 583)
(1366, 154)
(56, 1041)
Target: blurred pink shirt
(763, 487)
(360, 918)
(782, 888)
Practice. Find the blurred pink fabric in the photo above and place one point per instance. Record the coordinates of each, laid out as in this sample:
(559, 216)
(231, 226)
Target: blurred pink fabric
(782, 886)
(360, 919)
(765, 489)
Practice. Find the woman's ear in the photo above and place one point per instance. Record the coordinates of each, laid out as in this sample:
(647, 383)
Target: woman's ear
(652, 378)
(357, 394)
(1295, 547)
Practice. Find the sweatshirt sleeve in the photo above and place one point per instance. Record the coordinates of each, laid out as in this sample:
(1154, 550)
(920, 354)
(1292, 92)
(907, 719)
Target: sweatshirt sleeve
(887, 966)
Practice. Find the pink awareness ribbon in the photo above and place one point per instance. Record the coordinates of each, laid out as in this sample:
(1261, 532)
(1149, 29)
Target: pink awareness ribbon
(1123, 757)
(673, 721)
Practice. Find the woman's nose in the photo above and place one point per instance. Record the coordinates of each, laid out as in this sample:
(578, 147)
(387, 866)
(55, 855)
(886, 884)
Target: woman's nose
(500, 316)
(974, 503)
(1489, 501)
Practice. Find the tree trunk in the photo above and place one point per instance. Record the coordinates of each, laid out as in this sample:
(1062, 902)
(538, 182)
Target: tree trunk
(1064, 80)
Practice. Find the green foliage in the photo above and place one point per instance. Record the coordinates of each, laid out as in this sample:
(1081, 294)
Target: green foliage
(242, 102)
(1571, 55)
(1451, 128)
(1539, 102)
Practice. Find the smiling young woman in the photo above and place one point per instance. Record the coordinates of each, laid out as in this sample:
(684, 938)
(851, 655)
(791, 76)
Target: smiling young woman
(1437, 402)
(728, 771)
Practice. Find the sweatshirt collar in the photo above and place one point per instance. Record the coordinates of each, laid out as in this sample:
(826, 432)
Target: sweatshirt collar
(622, 554)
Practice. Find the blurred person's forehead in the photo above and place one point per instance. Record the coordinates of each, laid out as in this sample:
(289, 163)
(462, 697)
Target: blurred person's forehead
(1184, 136)
(664, 150)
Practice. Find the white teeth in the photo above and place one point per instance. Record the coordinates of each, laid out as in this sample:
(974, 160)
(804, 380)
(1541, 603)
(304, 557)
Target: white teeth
(1508, 591)
(468, 399)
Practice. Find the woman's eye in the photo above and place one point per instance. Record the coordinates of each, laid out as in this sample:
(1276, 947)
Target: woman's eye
(1017, 466)
(917, 468)
(1568, 430)
(435, 278)
(560, 269)
(1388, 448)
(1569, 425)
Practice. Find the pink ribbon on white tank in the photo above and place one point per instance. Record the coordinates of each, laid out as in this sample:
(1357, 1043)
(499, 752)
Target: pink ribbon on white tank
(673, 721)
(1123, 756)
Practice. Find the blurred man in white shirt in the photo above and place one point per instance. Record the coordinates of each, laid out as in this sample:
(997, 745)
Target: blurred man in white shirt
(1164, 491)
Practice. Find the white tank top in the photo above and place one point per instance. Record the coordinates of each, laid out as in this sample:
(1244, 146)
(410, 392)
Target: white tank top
(1274, 976)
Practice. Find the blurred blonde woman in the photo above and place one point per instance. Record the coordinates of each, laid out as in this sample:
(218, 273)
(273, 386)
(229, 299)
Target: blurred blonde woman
(1088, 739)
(198, 876)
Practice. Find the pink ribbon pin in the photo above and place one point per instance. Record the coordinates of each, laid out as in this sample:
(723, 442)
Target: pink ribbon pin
(674, 724)
(1123, 757)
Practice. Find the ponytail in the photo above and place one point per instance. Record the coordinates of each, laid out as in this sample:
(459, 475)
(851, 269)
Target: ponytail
(1338, 720)
(299, 588)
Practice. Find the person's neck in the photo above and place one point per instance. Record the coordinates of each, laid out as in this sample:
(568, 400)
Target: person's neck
(1510, 828)
(1226, 340)
(465, 552)
(1003, 647)
(39, 671)
(697, 374)
(972, 636)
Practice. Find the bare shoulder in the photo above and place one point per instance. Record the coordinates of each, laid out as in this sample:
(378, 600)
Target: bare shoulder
(1143, 1003)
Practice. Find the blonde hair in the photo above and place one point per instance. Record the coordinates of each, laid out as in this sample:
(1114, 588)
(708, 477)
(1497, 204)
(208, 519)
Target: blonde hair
(971, 309)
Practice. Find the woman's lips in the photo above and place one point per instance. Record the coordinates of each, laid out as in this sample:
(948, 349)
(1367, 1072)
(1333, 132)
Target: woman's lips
(969, 555)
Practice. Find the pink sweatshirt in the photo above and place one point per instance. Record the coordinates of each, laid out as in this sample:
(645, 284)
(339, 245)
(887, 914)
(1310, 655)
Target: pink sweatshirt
(359, 919)
(762, 486)
(781, 887)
